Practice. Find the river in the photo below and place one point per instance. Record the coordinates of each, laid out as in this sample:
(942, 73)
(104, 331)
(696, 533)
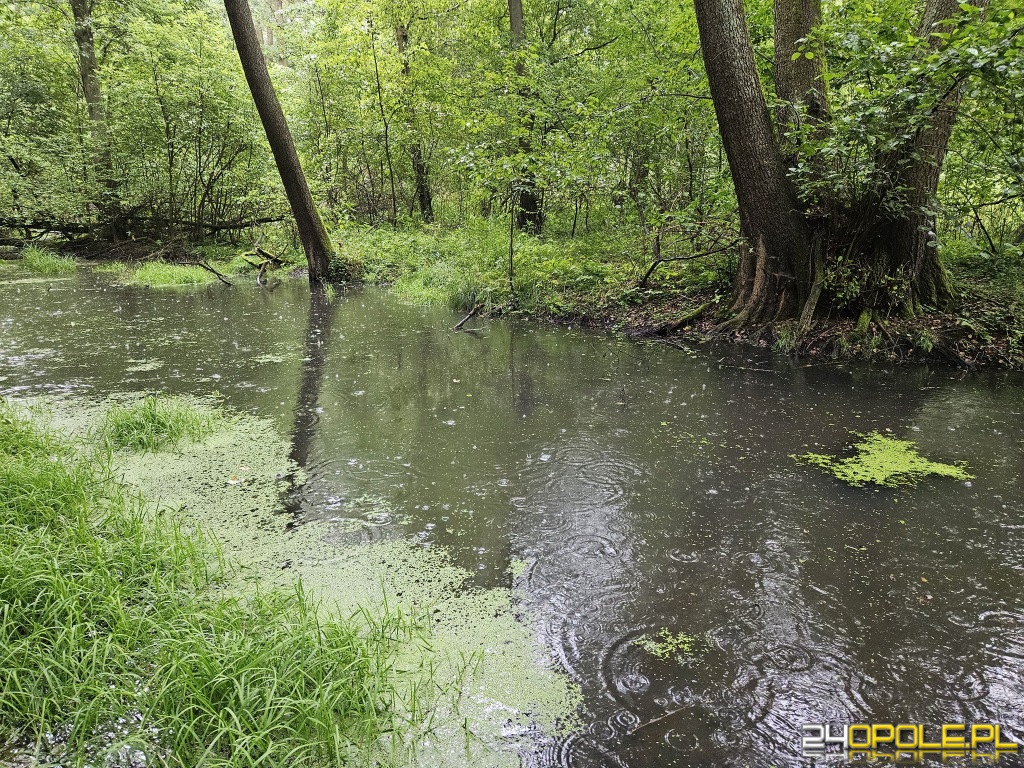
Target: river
(622, 489)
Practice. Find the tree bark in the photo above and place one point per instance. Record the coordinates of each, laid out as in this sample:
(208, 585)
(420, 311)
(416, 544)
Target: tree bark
(420, 169)
(774, 277)
(311, 229)
(528, 212)
(799, 83)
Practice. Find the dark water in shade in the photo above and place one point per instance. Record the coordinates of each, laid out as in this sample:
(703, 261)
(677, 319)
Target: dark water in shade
(643, 488)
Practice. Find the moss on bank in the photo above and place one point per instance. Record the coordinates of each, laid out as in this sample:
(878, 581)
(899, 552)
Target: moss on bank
(885, 461)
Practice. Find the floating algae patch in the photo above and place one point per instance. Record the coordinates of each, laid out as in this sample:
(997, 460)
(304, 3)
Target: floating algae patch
(141, 366)
(884, 461)
(493, 687)
(665, 645)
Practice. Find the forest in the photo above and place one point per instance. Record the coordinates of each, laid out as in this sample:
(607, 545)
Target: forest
(839, 177)
(511, 383)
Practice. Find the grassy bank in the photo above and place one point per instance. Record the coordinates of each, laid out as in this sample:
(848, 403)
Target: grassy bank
(43, 261)
(120, 645)
(592, 278)
(599, 280)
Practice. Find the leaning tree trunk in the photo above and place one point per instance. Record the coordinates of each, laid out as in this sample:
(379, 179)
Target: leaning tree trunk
(311, 229)
(774, 274)
(526, 201)
(420, 169)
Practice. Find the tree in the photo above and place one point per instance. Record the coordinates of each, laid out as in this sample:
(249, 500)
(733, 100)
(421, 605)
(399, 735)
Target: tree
(312, 233)
(420, 170)
(774, 274)
(884, 238)
(85, 48)
(526, 202)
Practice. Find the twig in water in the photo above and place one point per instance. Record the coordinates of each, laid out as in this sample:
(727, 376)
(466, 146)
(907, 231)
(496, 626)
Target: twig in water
(655, 720)
(468, 317)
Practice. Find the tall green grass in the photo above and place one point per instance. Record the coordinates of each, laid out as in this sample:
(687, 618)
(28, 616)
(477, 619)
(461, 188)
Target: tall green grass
(156, 274)
(43, 261)
(154, 423)
(119, 646)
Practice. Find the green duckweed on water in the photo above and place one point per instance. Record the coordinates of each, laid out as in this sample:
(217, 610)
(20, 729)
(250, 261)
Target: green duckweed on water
(665, 645)
(476, 668)
(884, 461)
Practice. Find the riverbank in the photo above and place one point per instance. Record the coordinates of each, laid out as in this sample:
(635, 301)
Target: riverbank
(602, 281)
(605, 280)
(159, 609)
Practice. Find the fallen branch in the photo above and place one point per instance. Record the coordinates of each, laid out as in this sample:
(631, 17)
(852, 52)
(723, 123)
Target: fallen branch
(208, 268)
(468, 317)
(666, 328)
(659, 261)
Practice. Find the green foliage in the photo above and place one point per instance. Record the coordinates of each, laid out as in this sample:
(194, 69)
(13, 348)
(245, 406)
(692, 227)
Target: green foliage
(46, 262)
(884, 461)
(119, 647)
(157, 274)
(156, 422)
(604, 109)
(464, 267)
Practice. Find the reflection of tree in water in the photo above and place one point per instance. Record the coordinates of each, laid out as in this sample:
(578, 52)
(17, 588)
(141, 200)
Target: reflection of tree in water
(318, 334)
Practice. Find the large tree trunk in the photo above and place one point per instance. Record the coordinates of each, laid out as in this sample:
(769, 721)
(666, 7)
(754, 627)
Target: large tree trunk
(85, 43)
(312, 233)
(420, 170)
(798, 81)
(526, 200)
(774, 273)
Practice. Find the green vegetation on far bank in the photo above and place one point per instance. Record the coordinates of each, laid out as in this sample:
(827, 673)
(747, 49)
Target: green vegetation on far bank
(118, 644)
(593, 277)
(43, 261)
(599, 279)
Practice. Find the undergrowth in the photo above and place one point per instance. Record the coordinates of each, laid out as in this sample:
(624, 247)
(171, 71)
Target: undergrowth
(118, 645)
(588, 276)
(45, 262)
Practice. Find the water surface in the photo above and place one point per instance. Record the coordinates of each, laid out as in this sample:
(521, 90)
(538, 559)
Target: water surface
(623, 489)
